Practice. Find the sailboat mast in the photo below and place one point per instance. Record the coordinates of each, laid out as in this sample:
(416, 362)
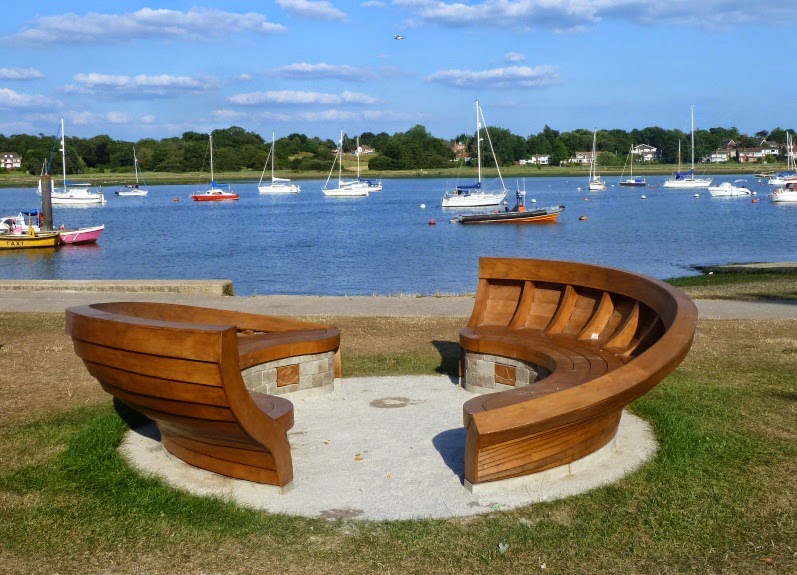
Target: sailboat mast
(273, 156)
(212, 179)
(693, 138)
(63, 152)
(478, 143)
(135, 164)
(340, 157)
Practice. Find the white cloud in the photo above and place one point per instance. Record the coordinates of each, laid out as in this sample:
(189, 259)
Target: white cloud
(85, 118)
(148, 119)
(508, 77)
(317, 10)
(573, 15)
(307, 71)
(12, 99)
(514, 57)
(20, 74)
(373, 4)
(294, 97)
(140, 85)
(197, 24)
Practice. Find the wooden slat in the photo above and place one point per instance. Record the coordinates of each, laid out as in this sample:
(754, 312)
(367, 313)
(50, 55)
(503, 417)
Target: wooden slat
(523, 309)
(600, 318)
(502, 301)
(546, 300)
(564, 311)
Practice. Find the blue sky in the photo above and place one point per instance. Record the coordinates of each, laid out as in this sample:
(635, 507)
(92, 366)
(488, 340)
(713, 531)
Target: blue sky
(134, 69)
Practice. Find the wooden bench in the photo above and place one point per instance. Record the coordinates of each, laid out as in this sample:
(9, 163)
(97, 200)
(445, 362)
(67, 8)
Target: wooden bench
(567, 346)
(181, 367)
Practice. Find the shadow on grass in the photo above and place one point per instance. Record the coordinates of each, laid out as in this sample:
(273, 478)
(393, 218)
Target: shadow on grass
(449, 358)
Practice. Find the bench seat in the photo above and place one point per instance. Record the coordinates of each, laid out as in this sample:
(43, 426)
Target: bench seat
(598, 337)
(181, 367)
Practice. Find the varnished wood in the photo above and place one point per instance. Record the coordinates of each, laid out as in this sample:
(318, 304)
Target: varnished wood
(181, 367)
(606, 336)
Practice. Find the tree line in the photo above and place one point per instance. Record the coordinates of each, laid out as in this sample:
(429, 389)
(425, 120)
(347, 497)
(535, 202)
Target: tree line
(237, 149)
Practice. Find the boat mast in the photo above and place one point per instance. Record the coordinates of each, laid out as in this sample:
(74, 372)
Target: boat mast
(135, 164)
(478, 143)
(357, 153)
(63, 152)
(340, 158)
(273, 156)
(693, 140)
(212, 180)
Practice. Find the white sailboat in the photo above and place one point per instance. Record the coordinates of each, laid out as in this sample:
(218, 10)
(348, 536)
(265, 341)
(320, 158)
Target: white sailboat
(790, 175)
(686, 180)
(132, 190)
(72, 193)
(473, 196)
(595, 182)
(632, 182)
(346, 188)
(277, 185)
(371, 184)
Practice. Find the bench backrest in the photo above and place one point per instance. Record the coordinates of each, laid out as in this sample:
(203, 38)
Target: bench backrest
(179, 367)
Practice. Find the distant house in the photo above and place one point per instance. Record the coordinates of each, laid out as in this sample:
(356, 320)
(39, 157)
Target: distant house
(537, 159)
(364, 150)
(460, 151)
(721, 156)
(752, 155)
(583, 158)
(647, 153)
(10, 160)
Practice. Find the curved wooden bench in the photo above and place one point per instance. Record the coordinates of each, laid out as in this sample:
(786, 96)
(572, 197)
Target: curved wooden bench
(593, 339)
(181, 367)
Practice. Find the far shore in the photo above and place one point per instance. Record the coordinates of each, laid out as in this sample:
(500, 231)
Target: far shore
(16, 179)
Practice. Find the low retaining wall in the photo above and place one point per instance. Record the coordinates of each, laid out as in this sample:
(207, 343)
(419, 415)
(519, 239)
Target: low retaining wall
(304, 374)
(485, 373)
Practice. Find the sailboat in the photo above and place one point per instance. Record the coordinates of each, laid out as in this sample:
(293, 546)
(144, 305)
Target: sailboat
(217, 192)
(595, 182)
(790, 175)
(371, 184)
(632, 182)
(346, 188)
(684, 180)
(473, 196)
(277, 185)
(72, 193)
(133, 189)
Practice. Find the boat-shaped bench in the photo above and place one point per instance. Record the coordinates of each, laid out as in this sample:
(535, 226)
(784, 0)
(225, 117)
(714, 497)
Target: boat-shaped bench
(182, 366)
(566, 346)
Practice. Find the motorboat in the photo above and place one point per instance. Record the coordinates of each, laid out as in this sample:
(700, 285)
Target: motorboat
(727, 189)
(787, 193)
(519, 214)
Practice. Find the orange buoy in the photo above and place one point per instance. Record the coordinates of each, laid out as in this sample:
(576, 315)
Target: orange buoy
(432, 222)
(583, 218)
(755, 200)
(176, 199)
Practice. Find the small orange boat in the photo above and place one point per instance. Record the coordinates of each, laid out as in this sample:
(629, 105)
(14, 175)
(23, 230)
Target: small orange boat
(517, 215)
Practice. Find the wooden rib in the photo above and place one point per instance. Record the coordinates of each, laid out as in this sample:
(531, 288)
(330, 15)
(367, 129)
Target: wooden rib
(482, 294)
(625, 333)
(644, 338)
(563, 312)
(600, 317)
(524, 306)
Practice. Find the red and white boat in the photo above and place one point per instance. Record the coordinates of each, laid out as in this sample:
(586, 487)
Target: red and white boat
(82, 235)
(217, 192)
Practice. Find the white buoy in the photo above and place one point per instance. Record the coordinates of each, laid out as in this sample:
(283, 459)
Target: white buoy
(533, 201)
(697, 195)
(423, 206)
(644, 197)
(755, 193)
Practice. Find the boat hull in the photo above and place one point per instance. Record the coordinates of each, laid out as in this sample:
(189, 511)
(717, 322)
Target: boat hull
(687, 184)
(783, 197)
(41, 240)
(633, 184)
(213, 197)
(515, 217)
(472, 200)
(132, 193)
(279, 189)
(82, 235)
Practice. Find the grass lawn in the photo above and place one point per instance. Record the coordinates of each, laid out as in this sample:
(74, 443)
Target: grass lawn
(719, 497)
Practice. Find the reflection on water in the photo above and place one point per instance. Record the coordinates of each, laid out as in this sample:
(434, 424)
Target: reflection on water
(383, 244)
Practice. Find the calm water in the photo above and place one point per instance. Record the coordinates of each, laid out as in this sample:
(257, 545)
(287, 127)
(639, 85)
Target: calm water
(383, 244)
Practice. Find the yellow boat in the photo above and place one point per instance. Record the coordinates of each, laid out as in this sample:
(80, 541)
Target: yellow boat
(30, 240)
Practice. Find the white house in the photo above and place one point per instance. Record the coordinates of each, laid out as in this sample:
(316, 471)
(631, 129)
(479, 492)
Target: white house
(646, 152)
(537, 159)
(10, 160)
(583, 158)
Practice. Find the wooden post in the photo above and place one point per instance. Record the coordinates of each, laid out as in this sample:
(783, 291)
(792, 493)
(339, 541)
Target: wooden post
(47, 205)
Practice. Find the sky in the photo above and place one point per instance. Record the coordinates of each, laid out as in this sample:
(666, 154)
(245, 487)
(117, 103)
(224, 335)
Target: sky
(136, 70)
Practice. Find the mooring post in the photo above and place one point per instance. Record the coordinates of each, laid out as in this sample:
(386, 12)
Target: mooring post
(47, 205)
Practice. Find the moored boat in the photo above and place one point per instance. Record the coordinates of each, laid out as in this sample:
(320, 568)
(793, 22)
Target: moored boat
(88, 235)
(787, 193)
(133, 190)
(217, 192)
(30, 240)
(595, 183)
(687, 180)
(277, 185)
(72, 193)
(346, 188)
(632, 181)
(728, 189)
(473, 196)
(519, 214)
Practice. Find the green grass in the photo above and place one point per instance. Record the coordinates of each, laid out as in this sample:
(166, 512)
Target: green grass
(740, 286)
